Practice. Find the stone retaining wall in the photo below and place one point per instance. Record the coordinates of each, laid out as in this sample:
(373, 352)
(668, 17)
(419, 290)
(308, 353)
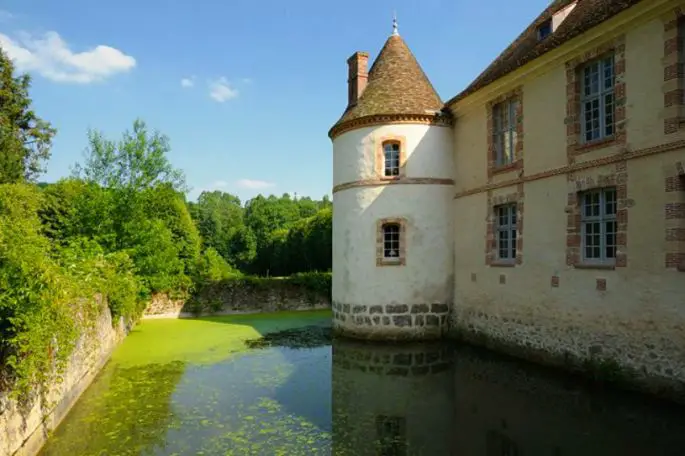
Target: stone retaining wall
(23, 431)
(249, 295)
(391, 321)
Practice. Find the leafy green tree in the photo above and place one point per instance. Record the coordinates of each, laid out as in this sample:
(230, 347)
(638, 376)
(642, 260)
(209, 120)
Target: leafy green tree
(156, 255)
(73, 208)
(166, 204)
(25, 139)
(213, 268)
(136, 162)
(243, 247)
(219, 216)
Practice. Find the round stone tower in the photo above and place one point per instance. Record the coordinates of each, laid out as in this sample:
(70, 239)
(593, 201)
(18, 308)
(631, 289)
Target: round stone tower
(392, 201)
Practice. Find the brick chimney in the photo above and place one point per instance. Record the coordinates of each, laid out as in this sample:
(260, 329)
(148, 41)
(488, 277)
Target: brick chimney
(357, 76)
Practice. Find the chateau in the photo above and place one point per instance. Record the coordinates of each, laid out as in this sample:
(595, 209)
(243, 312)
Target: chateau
(540, 211)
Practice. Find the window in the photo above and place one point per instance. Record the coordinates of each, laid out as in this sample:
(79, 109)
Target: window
(504, 130)
(391, 241)
(391, 155)
(506, 232)
(597, 99)
(545, 30)
(598, 225)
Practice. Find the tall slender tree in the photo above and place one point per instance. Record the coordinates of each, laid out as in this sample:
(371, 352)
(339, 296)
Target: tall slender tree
(25, 138)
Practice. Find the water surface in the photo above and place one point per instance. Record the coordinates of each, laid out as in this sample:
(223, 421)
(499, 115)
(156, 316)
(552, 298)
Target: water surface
(193, 387)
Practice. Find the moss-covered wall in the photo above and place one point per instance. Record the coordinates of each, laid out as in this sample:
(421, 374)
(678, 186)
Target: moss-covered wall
(248, 294)
(24, 427)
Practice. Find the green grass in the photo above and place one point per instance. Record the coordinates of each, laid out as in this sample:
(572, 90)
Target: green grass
(207, 339)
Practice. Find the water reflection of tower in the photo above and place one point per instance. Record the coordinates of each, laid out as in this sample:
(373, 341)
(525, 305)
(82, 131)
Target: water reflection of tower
(392, 400)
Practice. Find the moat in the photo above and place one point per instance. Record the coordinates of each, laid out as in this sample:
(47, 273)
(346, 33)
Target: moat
(196, 387)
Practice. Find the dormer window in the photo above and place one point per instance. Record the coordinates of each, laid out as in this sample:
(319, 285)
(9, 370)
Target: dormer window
(545, 30)
(391, 154)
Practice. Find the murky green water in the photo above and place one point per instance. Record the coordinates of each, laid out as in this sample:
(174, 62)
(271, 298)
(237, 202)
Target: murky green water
(192, 387)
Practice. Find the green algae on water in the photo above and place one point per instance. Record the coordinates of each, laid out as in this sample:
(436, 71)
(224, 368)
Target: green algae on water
(193, 386)
(208, 339)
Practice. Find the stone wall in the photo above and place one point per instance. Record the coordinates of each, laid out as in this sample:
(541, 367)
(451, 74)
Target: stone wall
(23, 430)
(392, 321)
(244, 295)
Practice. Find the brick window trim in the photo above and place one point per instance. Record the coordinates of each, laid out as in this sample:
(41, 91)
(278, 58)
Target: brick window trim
(402, 259)
(493, 202)
(674, 73)
(577, 185)
(574, 143)
(674, 214)
(380, 156)
(517, 164)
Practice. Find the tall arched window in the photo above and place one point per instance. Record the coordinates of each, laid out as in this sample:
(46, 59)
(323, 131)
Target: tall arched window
(391, 153)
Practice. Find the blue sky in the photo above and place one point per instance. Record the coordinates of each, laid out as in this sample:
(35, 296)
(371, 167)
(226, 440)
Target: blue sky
(246, 90)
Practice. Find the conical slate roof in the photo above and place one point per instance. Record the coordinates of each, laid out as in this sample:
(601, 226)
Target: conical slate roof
(396, 85)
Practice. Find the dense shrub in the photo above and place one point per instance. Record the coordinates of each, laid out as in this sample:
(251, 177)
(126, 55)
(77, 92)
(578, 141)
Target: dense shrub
(211, 267)
(37, 307)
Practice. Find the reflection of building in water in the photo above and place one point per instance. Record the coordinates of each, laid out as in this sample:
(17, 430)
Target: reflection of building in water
(506, 408)
(392, 400)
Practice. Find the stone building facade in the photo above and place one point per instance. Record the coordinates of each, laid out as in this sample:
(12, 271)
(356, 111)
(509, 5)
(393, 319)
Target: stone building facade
(540, 211)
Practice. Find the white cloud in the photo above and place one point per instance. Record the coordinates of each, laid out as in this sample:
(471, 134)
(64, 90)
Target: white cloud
(220, 90)
(51, 57)
(188, 82)
(254, 184)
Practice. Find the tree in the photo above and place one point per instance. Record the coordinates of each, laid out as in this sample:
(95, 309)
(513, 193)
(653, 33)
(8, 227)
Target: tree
(218, 216)
(25, 139)
(138, 161)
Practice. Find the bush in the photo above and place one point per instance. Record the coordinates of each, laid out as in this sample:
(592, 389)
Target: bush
(211, 267)
(37, 306)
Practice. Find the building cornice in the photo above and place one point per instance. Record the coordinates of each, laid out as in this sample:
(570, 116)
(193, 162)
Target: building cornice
(440, 120)
(619, 24)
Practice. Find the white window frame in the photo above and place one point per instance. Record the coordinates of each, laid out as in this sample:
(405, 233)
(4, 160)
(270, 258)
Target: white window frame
(506, 218)
(599, 220)
(602, 96)
(391, 159)
(504, 131)
(388, 239)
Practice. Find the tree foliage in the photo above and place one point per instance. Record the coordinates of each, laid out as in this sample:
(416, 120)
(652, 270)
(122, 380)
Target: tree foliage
(269, 235)
(25, 138)
(120, 229)
(136, 162)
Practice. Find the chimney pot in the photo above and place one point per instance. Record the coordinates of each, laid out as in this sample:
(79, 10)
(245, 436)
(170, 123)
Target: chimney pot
(357, 76)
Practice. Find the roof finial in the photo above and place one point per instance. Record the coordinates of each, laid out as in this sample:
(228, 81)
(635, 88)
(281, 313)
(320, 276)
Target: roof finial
(394, 24)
